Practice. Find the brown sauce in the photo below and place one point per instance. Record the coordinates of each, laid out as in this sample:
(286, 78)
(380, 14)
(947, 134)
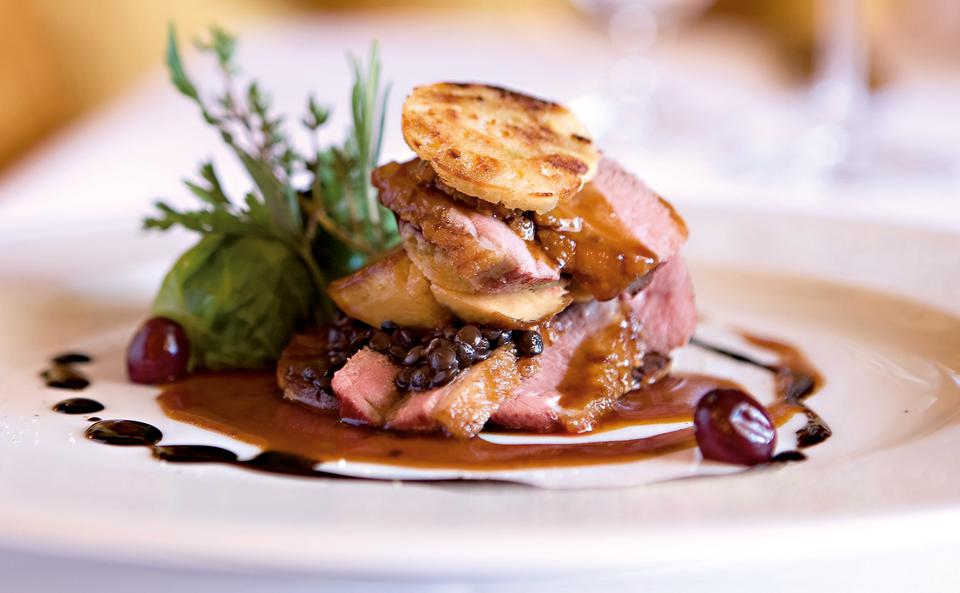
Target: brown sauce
(671, 399)
(129, 433)
(796, 380)
(249, 407)
(603, 256)
(602, 363)
(602, 369)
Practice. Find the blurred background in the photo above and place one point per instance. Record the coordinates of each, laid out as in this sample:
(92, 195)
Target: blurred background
(746, 95)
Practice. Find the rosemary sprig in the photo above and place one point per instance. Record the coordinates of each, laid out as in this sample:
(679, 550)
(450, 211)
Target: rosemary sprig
(337, 213)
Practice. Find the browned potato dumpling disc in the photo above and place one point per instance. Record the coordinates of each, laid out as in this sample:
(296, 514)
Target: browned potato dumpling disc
(499, 145)
(512, 310)
(391, 288)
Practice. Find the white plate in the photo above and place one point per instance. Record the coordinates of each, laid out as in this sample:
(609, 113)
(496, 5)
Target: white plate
(888, 477)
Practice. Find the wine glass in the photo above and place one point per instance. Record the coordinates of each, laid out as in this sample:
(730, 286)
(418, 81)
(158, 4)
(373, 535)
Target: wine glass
(626, 108)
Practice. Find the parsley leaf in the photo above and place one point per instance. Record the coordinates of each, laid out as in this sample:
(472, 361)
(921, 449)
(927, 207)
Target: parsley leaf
(224, 289)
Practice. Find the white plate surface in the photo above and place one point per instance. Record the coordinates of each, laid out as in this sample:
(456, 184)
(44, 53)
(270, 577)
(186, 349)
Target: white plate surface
(872, 305)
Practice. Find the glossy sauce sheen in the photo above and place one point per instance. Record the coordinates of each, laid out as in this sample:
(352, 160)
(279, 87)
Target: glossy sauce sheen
(63, 375)
(603, 362)
(140, 434)
(604, 257)
(249, 407)
(796, 379)
(77, 405)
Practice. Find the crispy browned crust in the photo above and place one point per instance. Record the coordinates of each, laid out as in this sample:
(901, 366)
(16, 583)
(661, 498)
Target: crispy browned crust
(436, 236)
(499, 145)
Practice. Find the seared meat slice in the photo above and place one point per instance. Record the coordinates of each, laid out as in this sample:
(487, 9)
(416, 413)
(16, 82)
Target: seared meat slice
(562, 395)
(301, 375)
(365, 387)
(612, 234)
(667, 308)
(454, 245)
(463, 406)
(588, 362)
(364, 390)
(586, 366)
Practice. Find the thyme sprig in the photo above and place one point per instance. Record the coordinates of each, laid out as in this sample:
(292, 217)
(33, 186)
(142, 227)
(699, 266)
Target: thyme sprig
(338, 207)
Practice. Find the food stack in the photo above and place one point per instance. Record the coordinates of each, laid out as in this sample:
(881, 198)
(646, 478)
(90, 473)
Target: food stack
(538, 281)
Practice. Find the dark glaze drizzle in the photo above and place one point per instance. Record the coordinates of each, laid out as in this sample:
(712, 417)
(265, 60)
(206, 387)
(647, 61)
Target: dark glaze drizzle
(77, 405)
(248, 407)
(72, 358)
(788, 457)
(62, 375)
(601, 253)
(294, 439)
(65, 377)
(795, 378)
(126, 433)
(132, 433)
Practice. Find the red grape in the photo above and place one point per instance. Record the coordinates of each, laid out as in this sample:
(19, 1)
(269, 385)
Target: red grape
(732, 427)
(158, 353)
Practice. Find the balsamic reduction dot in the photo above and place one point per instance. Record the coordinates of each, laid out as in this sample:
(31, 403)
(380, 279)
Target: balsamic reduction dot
(193, 454)
(71, 358)
(278, 462)
(65, 377)
(124, 433)
(814, 432)
(94, 419)
(788, 456)
(77, 405)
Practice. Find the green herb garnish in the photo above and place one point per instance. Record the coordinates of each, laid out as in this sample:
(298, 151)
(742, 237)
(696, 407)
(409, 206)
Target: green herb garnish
(262, 267)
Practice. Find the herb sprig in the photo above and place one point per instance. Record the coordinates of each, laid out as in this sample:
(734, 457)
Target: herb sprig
(331, 223)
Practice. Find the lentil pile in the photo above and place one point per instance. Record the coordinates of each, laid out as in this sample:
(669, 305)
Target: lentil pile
(429, 358)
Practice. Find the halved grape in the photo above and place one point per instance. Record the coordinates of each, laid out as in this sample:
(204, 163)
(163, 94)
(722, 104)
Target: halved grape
(732, 427)
(158, 353)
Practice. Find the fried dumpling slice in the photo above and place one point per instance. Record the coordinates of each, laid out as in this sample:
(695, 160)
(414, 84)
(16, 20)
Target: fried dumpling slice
(499, 145)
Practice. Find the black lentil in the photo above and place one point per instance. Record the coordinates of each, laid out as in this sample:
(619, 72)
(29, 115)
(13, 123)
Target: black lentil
(414, 356)
(470, 335)
(404, 337)
(529, 343)
(442, 378)
(444, 358)
(397, 353)
(430, 358)
(420, 379)
(380, 341)
(402, 380)
(465, 354)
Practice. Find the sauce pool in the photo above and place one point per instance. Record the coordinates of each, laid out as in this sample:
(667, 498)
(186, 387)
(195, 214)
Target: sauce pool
(248, 406)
